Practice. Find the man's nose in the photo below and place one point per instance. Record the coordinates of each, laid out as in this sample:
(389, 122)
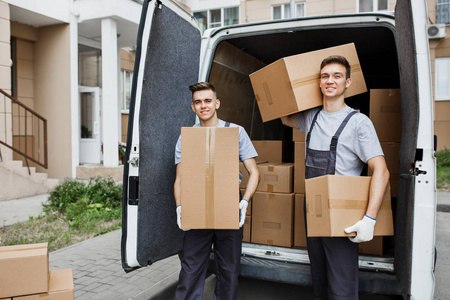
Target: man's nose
(203, 103)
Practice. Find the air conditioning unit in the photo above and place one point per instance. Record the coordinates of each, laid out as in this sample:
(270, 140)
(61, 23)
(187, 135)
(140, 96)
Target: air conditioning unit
(436, 31)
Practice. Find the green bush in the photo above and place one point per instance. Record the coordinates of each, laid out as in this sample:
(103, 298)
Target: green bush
(68, 191)
(443, 158)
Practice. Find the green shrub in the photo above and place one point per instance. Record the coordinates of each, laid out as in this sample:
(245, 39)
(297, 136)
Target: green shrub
(443, 158)
(69, 191)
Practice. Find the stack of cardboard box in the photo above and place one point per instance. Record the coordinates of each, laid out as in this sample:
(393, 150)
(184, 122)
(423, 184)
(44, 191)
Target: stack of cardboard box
(25, 275)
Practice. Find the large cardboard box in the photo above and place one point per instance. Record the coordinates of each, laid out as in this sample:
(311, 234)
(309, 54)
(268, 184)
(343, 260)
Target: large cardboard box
(299, 221)
(23, 270)
(299, 168)
(275, 178)
(298, 136)
(335, 202)
(291, 84)
(249, 207)
(247, 229)
(272, 219)
(386, 114)
(60, 288)
(210, 178)
(373, 247)
(269, 151)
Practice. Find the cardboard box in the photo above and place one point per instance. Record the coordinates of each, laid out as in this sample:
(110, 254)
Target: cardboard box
(298, 136)
(272, 219)
(335, 202)
(210, 177)
(275, 178)
(391, 152)
(386, 114)
(299, 168)
(299, 221)
(291, 84)
(247, 229)
(23, 270)
(373, 247)
(245, 175)
(249, 207)
(60, 288)
(269, 151)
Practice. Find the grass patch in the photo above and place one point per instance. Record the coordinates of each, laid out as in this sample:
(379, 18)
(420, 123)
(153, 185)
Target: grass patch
(443, 169)
(76, 211)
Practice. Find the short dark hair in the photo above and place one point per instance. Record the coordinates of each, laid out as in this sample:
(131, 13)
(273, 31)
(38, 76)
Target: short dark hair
(200, 86)
(337, 59)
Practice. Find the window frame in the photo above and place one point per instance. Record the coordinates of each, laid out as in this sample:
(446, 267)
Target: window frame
(222, 16)
(123, 94)
(374, 6)
(438, 97)
(283, 9)
(446, 3)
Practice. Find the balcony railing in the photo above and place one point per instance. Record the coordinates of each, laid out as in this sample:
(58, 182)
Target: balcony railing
(23, 130)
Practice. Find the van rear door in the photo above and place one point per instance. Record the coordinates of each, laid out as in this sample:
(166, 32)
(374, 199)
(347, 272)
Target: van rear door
(167, 62)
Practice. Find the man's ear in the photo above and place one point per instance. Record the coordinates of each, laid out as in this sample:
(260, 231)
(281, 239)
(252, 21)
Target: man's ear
(217, 103)
(348, 82)
(192, 106)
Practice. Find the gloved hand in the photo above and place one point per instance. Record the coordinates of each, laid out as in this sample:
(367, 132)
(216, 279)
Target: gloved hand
(243, 210)
(363, 228)
(179, 216)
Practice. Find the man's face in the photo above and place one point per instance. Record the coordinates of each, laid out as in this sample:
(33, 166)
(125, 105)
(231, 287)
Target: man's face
(332, 80)
(204, 104)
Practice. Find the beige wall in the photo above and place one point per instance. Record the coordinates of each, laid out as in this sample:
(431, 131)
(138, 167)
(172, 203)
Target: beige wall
(52, 95)
(5, 80)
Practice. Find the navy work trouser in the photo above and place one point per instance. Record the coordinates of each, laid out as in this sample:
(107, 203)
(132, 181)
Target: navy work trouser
(194, 263)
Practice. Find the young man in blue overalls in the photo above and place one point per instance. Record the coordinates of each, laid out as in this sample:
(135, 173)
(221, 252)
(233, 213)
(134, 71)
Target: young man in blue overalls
(197, 242)
(340, 141)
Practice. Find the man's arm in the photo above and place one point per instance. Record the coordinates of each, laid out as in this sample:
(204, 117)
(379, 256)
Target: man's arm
(289, 121)
(378, 184)
(177, 185)
(253, 180)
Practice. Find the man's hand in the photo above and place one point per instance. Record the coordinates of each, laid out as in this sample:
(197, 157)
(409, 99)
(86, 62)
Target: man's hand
(179, 218)
(243, 210)
(363, 228)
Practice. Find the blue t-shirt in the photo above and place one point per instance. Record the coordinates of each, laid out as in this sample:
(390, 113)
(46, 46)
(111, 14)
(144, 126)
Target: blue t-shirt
(246, 149)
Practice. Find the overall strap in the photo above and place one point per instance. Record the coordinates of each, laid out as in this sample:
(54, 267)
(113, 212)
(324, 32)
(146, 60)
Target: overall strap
(335, 138)
(227, 124)
(308, 137)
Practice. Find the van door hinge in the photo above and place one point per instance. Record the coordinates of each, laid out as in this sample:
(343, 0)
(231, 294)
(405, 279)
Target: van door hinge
(413, 172)
(133, 190)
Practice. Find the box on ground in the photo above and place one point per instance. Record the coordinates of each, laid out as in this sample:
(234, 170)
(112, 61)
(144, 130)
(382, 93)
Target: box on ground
(272, 219)
(335, 202)
(373, 247)
(291, 84)
(386, 114)
(298, 136)
(275, 178)
(269, 151)
(299, 168)
(23, 270)
(247, 229)
(299, 221)
(60, 287)
(210, 178)
(249, 207)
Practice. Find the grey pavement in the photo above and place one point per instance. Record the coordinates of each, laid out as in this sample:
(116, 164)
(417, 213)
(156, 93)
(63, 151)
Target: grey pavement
(98, 273)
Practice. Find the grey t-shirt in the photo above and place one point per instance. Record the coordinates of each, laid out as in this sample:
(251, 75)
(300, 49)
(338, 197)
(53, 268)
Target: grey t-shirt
(246, 149)
(357, 143)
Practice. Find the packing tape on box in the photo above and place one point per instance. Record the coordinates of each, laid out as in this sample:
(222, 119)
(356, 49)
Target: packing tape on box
(209, 177)
(355, 204)
(270, 168)
(270, 189)
(296, 83)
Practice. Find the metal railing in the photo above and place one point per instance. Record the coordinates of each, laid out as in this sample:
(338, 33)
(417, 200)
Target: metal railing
(23, 130)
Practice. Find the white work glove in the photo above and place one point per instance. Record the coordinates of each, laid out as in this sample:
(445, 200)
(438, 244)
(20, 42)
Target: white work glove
(242, 211)
(363, 228)
(179, 218)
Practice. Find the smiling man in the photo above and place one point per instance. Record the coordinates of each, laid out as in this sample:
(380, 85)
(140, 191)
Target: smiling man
(197, 242)
(340, 141)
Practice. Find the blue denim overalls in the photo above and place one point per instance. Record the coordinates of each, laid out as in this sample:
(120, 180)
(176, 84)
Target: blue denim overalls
(334, 260)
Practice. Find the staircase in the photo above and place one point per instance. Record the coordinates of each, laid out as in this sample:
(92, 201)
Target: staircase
(23, 135)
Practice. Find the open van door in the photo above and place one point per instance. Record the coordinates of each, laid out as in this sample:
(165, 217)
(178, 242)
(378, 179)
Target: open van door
(416, 221)
(167, 62)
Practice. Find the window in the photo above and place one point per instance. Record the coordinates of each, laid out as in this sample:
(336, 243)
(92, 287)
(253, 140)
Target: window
(283, 11)
(372, 5)
(127, 79)
(442, 78)
(442, 11)
(217, 17)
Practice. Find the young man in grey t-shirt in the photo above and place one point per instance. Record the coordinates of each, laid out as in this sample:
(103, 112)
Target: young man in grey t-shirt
(340, 141)
(197, 242)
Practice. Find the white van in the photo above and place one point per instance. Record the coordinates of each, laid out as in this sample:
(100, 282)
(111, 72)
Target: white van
(171, 55)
